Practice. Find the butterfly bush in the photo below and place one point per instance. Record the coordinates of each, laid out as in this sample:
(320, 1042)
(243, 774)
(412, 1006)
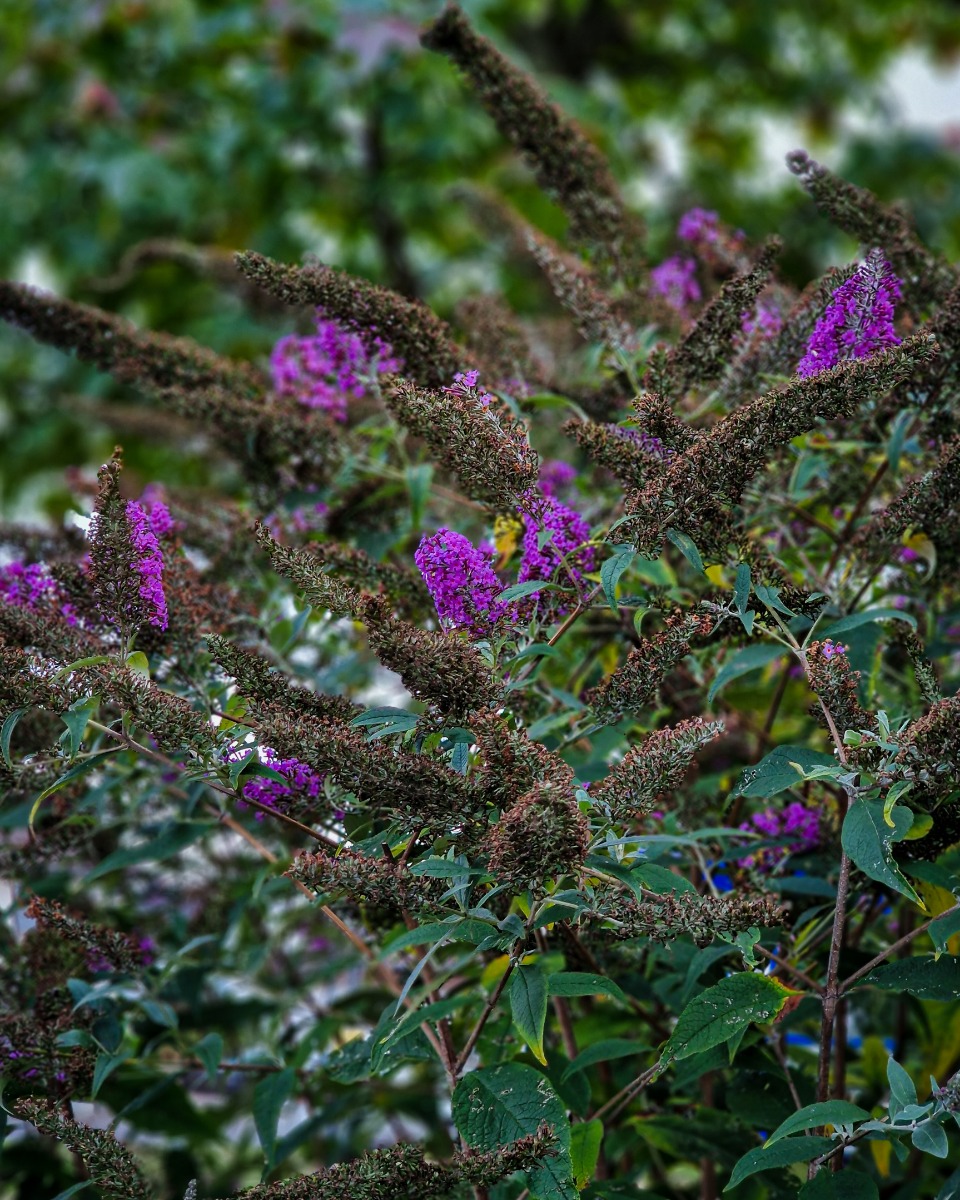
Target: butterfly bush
(477, 799)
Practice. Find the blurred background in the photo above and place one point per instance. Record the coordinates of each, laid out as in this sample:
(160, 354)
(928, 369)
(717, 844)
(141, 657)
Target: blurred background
(142, 140)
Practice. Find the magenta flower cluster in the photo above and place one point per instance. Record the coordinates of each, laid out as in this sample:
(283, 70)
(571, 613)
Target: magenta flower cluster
(465, 384)
(29, 585)
(462, 582)
(148, 561)
(675, 279)
(858, 321)
(796, 821)
(553, 544)
(324, 371)
(698, 225)
(302, 783)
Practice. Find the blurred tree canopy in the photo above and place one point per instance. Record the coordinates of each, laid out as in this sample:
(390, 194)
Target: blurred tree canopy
(298, 127)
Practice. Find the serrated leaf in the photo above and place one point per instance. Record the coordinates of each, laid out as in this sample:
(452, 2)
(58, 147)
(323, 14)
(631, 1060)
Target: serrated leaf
(585, 1139)
(687, 548)
(827, 1112)
(750, 658)
(582, 983)
(866, 837)
(775, 772)
(269, 1097)
(925, 977)
(604, 1051)
(498, 1105)
(611, 571)
(855, 620)
(527, 993)
(783, 1154)
(724, 1010)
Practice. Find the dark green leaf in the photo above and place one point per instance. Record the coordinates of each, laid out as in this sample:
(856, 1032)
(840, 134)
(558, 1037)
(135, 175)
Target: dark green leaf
(926, 977)
(827, 1112)
(210, 1052)
(839, 1185)
(527, 993)
(269, 1097)
(687, 548)
(582, 983)
(750, 658)
(774, 773)
(611, 571)
(605, 1051)
(866, 837)
(723, 1011)
(783, 1154)
(855, 620)
(6, 733)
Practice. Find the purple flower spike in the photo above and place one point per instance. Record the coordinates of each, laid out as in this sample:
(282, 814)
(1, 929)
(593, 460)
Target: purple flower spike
(302, 783)
(462, 582)
(149, 564)
(568, 532)
(555, 475)
(326, 370)
(858, 320)
(675, 280)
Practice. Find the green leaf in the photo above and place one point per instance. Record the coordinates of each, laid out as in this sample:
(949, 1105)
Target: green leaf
(210, 1052)
(6, 733)
(903, 1091)
(855, 620)
(165, 845)
(585, 1139)
(770, 596)
(138, 661)
(75, 719)
(528, 1006)
(925, 977)
(661, 880)
(774, 773)
(269, 1097)
(866, 837)
(498, 1105)
(723, 1011)
(519, 590)
(783, 1154)
(611, 571)
(687, 548)
(827, 1112)
(946, 926)
(75, 1190)
(582, 983)
(386, 714)
(839, 1185)
(535, 650)
(604, 1051)
(750, 658)
(418, 477)
(931, 1139)
(105, 1065)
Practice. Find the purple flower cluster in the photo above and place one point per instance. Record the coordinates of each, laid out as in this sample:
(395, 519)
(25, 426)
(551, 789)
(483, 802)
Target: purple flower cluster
(325, 370)
(556, 474)
(302, 783)
(698, 225)
(675, 279)
(29, 585)
(148, 563)
(795, 821)
(830, 650)
(462, 582)
(765, 319)
(554, 542)
(646, 442)
(858, 321)
(465, 384)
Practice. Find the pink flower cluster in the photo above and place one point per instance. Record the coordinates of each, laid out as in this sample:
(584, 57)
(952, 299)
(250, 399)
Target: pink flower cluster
(148, 561)
(858, 321)
(675, 279)
(796, 821)
(325, 370)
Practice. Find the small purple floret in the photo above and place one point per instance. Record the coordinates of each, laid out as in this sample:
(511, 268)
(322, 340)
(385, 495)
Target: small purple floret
(302, 782)
(675, 279)
(568, 533)
(698, 225)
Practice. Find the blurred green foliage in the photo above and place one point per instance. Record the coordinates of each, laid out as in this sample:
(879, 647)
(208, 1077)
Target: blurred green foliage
(319, 127)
